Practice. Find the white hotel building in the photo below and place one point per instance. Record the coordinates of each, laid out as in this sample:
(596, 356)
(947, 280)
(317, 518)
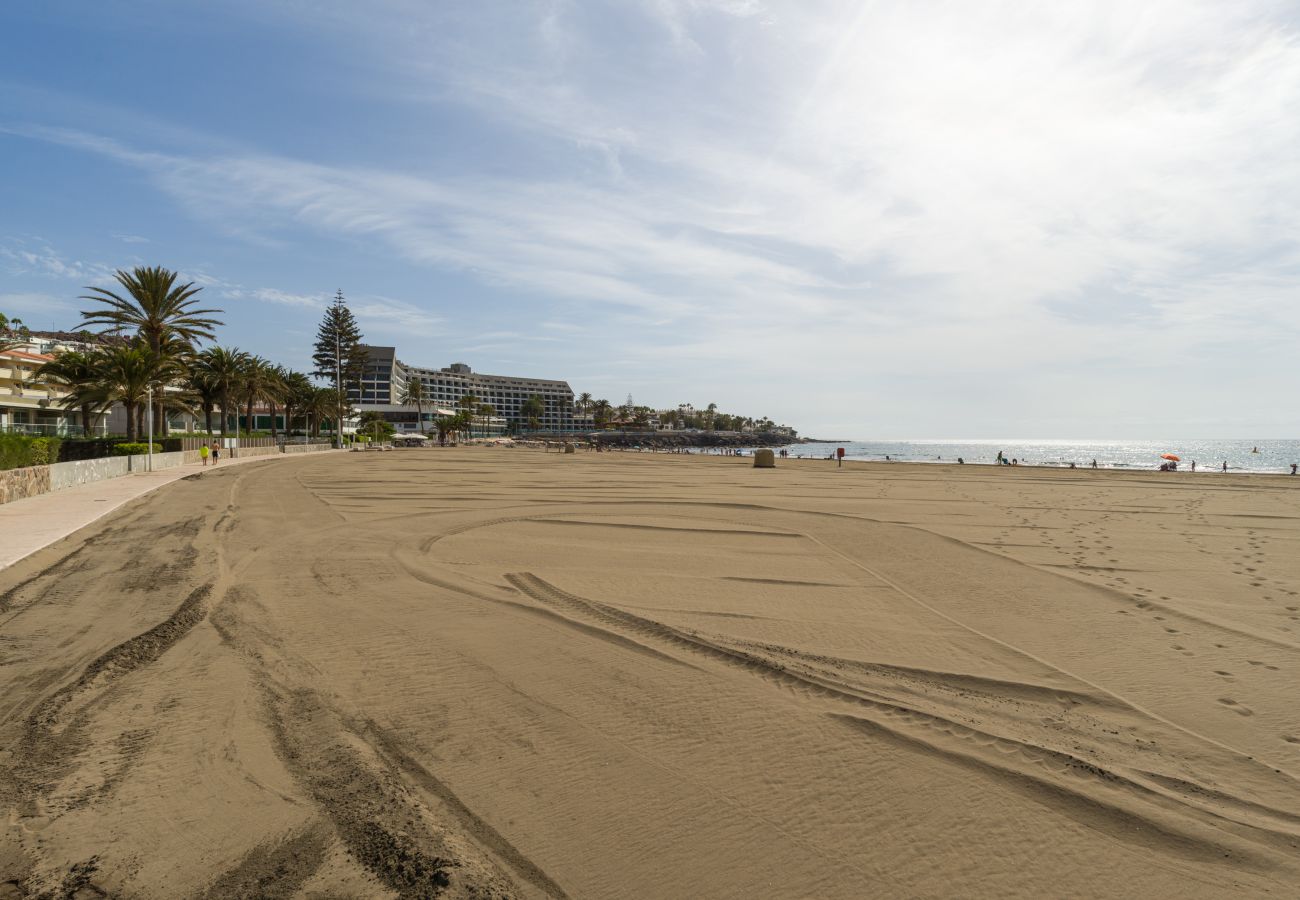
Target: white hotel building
(384, 379)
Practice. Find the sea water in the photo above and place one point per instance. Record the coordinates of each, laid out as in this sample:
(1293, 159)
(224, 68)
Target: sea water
(1274, 456)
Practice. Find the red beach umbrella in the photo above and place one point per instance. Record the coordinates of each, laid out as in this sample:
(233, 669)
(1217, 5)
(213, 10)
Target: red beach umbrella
(1171, 456)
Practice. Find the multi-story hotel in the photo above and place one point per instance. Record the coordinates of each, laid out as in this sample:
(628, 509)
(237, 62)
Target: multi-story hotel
(384, 380)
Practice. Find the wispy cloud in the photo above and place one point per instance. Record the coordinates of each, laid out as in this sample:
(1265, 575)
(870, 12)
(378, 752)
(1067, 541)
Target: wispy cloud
(27, 256)
(1000, 190)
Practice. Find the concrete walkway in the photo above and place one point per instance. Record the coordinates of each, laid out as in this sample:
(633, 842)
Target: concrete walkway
(34, 523)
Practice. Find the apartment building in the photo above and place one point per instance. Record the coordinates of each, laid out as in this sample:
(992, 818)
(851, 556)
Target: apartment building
(27, 404)
(385, 377)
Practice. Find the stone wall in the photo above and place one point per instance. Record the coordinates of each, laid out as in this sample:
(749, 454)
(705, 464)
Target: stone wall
(15, 484)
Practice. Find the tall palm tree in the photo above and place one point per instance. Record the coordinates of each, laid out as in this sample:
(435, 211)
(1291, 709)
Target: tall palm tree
(126, 374)
(468, 403)
(601, 411)
(259, 381)
(297, 395)
(225, 367)
(584, 402)
(161, 314)
(79, 374)
(157, 309)
(485, 412)
(322, 404)
(413, 395)
(205, 389)
(532, 410)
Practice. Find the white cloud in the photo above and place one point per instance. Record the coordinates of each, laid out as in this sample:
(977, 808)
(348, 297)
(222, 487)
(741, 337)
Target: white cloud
(995, 190)
(29, 256)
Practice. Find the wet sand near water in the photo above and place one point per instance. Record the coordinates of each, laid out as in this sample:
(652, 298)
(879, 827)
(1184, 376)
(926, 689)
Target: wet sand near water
(486, 672)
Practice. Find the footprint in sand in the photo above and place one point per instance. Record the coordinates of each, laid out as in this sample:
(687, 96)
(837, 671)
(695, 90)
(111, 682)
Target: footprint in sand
(1236, 707)
(1291, 739)
(1223, 673)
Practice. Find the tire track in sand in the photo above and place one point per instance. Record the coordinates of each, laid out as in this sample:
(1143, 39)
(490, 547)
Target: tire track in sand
(1175, 822)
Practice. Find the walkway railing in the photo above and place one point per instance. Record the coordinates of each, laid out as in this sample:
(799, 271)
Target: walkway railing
(55, 430)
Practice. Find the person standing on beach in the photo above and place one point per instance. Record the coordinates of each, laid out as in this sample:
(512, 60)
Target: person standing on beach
(1225, 465)
(203, 454)
(216, 453)
(1293, 466)
(1193, 465)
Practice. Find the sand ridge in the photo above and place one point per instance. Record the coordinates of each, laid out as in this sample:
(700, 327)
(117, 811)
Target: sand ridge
(476, 672)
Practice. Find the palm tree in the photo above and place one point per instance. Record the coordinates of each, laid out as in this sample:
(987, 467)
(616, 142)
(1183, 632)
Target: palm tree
(322, 404)
(205, 390)
(297, 395)
(532, 409)
(160, 312)
(485, 411)
(126, 374)
(468, 403)
(157, 310)
(601, 411)
(584, 402)
(80, 374)
(224, 366)
(259, 381)
(413, 395)
(446, 425)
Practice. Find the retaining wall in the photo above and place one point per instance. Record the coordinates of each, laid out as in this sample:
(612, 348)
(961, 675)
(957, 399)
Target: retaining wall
(306, 448)
(84, 471)
(16, 484)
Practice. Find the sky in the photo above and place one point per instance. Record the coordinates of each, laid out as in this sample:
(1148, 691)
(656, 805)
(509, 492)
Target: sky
(869, 220)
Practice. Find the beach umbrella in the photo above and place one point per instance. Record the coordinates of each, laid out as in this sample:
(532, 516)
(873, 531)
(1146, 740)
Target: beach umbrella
(1171, 457)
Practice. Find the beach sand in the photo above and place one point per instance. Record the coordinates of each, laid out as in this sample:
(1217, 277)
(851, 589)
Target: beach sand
(495, 672)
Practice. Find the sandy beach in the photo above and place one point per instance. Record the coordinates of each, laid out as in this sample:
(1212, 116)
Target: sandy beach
(489, 672)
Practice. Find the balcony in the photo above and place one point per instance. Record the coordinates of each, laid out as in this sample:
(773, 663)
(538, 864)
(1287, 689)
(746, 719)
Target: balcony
(55, 429)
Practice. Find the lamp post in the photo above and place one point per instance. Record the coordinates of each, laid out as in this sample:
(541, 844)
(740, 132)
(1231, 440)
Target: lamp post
(338, 380)
(149, 417)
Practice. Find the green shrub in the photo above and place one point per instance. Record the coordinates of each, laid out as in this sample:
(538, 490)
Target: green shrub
(134, 449)
(44, 451)
(74, 449)
(15, 450)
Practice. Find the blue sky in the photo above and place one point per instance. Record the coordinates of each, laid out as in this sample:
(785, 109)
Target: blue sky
(869, 220)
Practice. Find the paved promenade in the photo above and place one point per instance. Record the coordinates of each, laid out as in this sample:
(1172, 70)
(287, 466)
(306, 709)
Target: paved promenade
(33, 523)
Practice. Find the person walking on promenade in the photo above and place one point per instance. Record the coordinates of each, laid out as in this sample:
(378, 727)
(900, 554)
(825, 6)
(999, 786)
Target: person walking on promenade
(216, 453)
(203, 454)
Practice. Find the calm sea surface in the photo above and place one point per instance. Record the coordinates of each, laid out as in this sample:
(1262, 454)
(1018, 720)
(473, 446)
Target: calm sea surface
(1275, 456)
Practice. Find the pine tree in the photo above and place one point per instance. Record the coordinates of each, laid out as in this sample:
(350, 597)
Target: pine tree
(339, 356)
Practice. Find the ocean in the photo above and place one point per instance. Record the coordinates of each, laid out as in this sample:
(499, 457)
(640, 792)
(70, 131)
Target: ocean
(1274, 456)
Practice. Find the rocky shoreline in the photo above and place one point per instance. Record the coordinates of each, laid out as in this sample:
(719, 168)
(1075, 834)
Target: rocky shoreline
(670, 440)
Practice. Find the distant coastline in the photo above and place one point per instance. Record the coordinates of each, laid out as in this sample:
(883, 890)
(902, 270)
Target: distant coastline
(668, 440)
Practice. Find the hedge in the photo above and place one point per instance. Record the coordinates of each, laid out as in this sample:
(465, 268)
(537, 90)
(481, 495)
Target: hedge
(134, 449)
(18, 451)
(75, 449)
